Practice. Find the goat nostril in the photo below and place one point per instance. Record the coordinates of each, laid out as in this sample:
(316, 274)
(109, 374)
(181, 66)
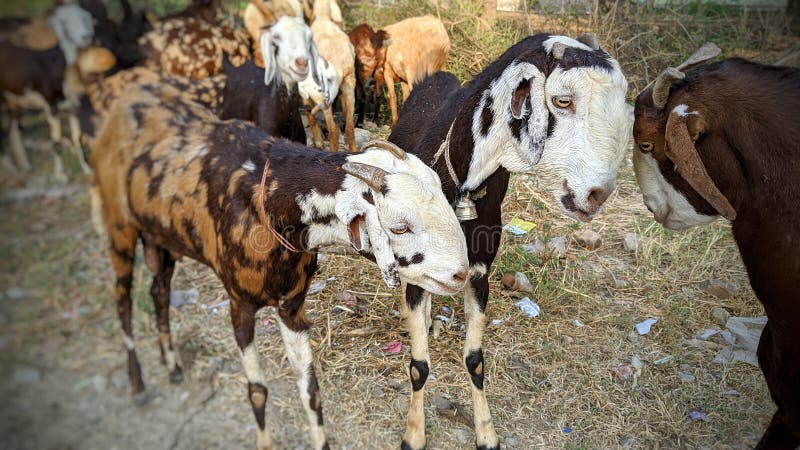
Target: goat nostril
(301, 63)
(460, 276)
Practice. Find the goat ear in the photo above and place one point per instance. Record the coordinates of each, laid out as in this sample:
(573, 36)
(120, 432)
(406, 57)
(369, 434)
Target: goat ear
(518, 99)
(354, 232)
(683, 153)
(589, 39)
(316, 67)
(268, 54)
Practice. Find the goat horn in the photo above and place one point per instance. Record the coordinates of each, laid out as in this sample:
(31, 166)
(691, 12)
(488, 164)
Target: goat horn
(707, 51)
(589, 39)
(398, 152)
(662, 85)
(558, 50)
(373, 176)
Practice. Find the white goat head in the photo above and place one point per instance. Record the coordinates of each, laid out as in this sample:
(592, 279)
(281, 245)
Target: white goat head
(395, 209)
(558, 109)
(74, 27)
(288, 51)
(321, 94)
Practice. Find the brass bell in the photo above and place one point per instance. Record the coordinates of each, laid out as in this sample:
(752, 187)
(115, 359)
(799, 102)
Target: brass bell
(465, 209)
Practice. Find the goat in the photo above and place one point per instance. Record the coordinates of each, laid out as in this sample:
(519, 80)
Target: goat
(188, 184)
(710, 142)
(370, 47)
(34, 80)
(419, 47)
(121, 38)
(551, 105)
(338, 57)
(192, 48)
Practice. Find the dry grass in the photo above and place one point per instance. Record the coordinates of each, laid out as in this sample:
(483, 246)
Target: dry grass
(542, 374)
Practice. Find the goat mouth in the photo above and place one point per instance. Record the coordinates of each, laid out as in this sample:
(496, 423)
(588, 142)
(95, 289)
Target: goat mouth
(570, 209)
(449, 290)
(298, 74)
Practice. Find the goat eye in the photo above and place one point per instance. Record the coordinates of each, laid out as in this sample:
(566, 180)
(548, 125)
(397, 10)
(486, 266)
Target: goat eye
(562, 101)
(646, 147)
(400, 229)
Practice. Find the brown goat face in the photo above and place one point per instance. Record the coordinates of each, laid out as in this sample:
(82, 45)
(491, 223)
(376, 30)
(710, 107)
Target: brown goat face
(667, 194)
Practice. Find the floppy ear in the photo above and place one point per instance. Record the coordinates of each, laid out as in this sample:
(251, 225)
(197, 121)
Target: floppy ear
(354, 232)
(518, 98)
(268, 54)
(316, 68)
(680, 137)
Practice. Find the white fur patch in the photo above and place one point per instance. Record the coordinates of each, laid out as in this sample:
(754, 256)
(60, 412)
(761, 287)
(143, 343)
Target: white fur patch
(249, 166)
(683, 111)
(569, 42)
(128, 342)
(252, 368)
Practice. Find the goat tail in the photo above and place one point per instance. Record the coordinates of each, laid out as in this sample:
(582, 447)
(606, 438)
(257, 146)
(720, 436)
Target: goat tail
(430, 63)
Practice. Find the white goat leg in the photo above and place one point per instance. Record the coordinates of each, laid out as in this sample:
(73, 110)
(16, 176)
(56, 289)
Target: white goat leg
(298, 350)
(417, 324)
(485, 435)
(16, 147)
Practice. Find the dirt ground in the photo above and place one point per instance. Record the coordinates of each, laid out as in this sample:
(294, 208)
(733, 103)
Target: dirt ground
(63, 377)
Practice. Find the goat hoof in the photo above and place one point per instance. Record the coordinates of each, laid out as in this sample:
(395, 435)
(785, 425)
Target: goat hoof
(405, 446)
(140, 398)
(176, 376)
(484, 447)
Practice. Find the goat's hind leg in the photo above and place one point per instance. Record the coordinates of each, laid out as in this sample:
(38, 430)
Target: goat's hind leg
(476, 295)
(123, 247)
(780, 362)
(161, 263)
(417, 324)
(243, 316)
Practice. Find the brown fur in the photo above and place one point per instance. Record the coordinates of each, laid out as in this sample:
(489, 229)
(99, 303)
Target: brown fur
(192, 48)
(186, 183)
(747, 137)
(370, 59)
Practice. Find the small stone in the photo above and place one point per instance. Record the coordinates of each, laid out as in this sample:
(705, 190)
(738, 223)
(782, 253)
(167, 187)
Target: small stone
(686, 377)
(633, 337)
(720, 316)
(370, 125)
(627, 442)
(27, 375)
(747, 331)
(462, 435)
(507, 281)
(567, 340)
(441, 403)
(719, 288)
(632, 242)
(619, 283)
(589, 239)
(537, 248)
(558, 246)
(511, 442)
(746, 357)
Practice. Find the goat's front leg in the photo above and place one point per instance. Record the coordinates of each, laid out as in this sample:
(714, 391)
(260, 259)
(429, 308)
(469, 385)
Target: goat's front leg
(316, 133)
(243, 317)
(298, 350)
(333, 129)
(476, 295)
(388, 75)
(419, 302)
(348, 97)
(77, 147)
(15, 145)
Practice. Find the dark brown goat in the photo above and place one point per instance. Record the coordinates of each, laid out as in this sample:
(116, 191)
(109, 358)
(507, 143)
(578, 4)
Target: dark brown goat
(722, 139)
(370, 47)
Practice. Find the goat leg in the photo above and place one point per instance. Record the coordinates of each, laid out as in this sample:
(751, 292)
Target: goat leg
(333, 129)
(474, 308)
(16, 147)
(419, 302)
(348, 106)
(161, 263)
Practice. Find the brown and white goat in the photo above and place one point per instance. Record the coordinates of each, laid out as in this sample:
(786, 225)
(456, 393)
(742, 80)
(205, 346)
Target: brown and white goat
(192, 48)
(722, 139)
(370, 47)
(255, 209)
(418, 47)
(550, 105)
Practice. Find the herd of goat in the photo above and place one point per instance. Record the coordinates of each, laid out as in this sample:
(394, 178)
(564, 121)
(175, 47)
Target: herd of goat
(197, 148)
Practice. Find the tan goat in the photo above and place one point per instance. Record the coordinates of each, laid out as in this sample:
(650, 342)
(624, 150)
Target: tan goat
(418, 47)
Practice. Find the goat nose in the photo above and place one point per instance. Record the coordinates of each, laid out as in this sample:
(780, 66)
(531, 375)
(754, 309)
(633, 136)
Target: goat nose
(597, 196)
(461, 276)
(301, 63)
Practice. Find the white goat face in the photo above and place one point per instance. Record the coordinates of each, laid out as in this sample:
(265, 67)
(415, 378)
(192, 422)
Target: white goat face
(591, 129)
(323, 94)
(409, 226)
(669, 206)
(563, 117)
(288, 50)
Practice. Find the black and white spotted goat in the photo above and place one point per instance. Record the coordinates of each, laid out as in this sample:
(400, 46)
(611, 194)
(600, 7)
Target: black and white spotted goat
(550, 105)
